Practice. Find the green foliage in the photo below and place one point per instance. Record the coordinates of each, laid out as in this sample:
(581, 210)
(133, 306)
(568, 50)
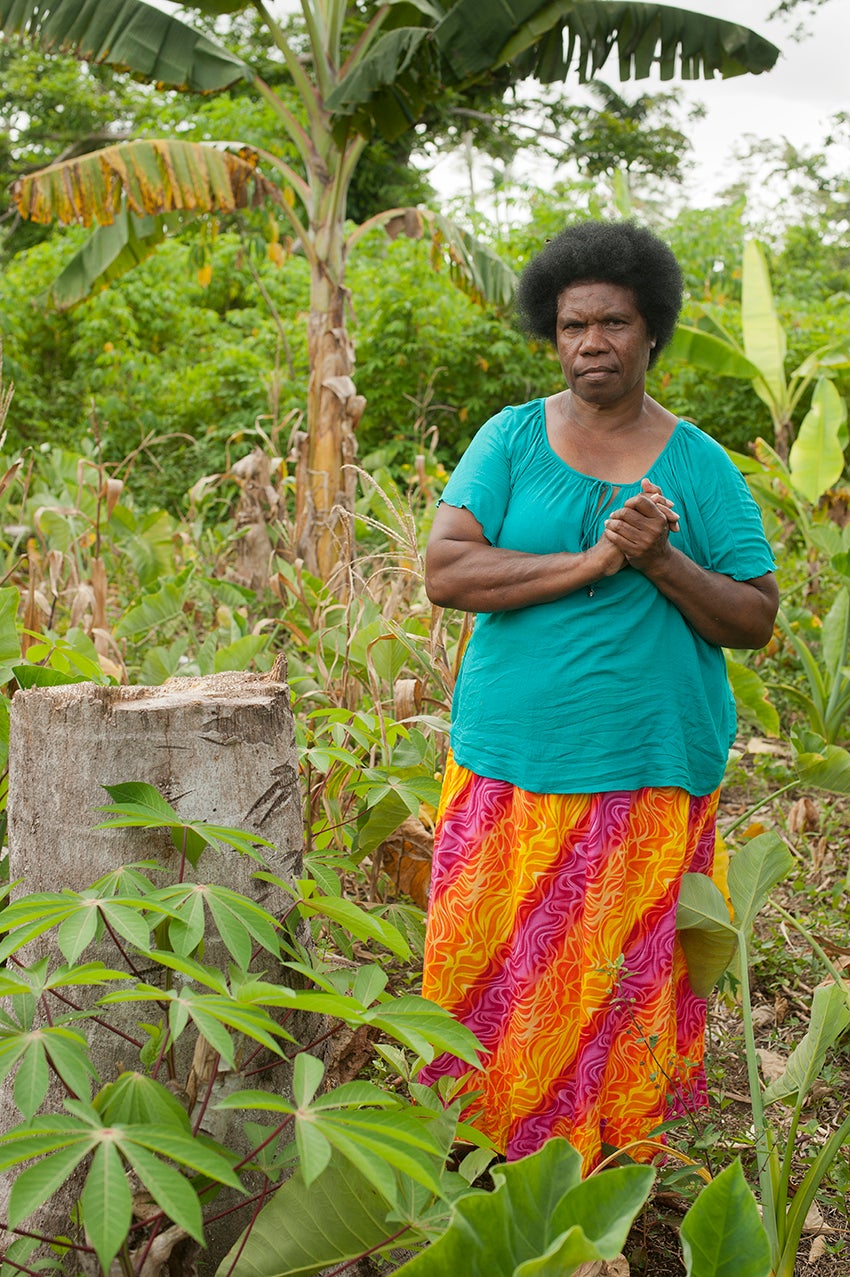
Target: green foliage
(540, 1218)
(722, 1234)
(711, 937)
(135, 1123)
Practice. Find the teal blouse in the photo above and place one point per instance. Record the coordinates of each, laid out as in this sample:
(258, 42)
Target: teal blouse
(608, 688)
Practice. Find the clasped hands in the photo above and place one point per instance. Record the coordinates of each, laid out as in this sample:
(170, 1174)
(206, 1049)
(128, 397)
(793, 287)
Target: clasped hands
(639, 531)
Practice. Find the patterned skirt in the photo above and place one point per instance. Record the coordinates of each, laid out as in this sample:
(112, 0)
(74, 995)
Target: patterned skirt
(551, 935)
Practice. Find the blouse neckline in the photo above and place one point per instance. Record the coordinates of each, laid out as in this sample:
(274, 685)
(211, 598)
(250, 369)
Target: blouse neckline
(592, 478)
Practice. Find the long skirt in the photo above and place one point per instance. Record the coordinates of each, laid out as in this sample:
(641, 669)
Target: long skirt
(552, 936)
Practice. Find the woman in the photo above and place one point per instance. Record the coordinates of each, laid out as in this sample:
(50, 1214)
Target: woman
(611, 551)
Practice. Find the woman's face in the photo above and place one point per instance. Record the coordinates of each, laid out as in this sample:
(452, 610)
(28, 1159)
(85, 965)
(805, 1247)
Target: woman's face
(602, 342)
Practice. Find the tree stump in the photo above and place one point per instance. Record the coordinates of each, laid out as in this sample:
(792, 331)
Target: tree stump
(220, 750)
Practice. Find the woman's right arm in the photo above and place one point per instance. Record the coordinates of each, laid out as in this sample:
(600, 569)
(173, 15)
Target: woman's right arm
(463, 570)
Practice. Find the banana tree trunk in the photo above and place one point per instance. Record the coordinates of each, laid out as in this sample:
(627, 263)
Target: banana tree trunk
(325, 480)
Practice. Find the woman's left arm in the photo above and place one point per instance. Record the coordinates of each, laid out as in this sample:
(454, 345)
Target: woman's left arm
(722, 610)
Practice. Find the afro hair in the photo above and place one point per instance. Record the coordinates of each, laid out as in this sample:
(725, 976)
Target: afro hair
(603, 252)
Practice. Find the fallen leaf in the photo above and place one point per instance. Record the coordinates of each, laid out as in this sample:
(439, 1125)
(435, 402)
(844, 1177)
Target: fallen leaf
(802, 816)
(818, 1250)
(772, 1065)
(814, 1221)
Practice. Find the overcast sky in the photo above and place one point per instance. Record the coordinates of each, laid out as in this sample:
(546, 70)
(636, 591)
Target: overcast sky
(795, 100)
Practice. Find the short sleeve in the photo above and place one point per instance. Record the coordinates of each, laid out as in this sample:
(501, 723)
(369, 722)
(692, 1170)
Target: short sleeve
(726, 525)
(481, 482)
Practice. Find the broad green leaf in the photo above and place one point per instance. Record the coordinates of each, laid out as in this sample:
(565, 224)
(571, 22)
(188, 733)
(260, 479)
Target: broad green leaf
(816, 458)
(107, 1203)
(835, 634)
(69, 1054)
(764, 337)
(161, 663)
(705, 932)
(10, 643)
(826, 768)
(754, 871)
(156, 609)
(722, 1234)
(4, 733)
(307, 1229)
(390, 83)
(78, 931)
(108, 254)
(197, 972)
(28, 676)
(553, 40)
(380, 1142)
(540, 1219)
(369, 983)
(705, 350)
(592, 1221)
(148, 42)
(752, 697)
(830, 1017)
(233, 932)
(186, 931)
(239, 654)
(140, 798)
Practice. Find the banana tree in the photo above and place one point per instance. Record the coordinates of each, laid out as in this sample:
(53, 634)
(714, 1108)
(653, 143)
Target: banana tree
(760, 359)
(362, 67)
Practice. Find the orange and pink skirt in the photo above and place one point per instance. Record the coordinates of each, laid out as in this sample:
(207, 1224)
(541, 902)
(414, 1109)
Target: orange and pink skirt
(552, 936)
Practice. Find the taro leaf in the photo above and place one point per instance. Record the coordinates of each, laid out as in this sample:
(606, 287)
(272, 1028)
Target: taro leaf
(541, 1220)
(830, 1017)
(156, 608)
(28, 676)
(705, 932)
(722, 1234)
(755, 870)
(239, 654)
(827, 768)
(306, 1230)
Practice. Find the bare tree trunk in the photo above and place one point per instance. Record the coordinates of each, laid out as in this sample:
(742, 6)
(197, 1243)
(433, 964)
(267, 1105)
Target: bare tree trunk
(325, 483)
(220, 750)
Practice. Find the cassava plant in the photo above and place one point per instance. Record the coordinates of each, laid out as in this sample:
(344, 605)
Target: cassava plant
(154, 958)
